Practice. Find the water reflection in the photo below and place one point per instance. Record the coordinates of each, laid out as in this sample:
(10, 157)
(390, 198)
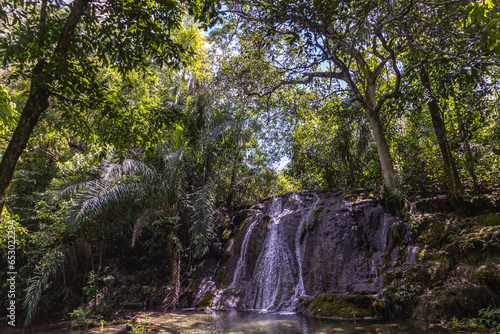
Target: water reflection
(187, 322)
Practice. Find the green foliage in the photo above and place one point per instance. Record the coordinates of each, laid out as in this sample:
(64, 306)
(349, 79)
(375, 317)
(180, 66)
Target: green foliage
(490, 317)
(10, 226)
(486, 14)
(468, 324)
(8, 114)
(79, 318)
(140, 327)
(202, 216)
(402, 289)
(48, 270)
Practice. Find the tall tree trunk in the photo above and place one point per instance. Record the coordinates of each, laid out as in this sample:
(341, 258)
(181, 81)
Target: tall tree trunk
(36, 104)
(383, 151)
(440, 130)
(38, 101)
(469, 158)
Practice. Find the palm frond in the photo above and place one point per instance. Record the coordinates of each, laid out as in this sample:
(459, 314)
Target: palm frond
(202, 216)
(49, 268)
(98, 196)
(170, 162)
(71, 190)
(112, 171)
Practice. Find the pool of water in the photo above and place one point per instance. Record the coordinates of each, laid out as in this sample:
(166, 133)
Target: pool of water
(185, 322)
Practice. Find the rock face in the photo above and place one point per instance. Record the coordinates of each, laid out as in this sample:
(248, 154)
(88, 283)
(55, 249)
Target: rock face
(303, 244)
(338, 254)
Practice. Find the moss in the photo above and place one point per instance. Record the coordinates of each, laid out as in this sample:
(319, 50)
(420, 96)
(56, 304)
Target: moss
(243, 225)
(487, 275)
(319, 208)
(437, 233)
(420, 256)
(454, 301)
(220, 275)
(205, 301)
(226, 234)
(347, 307)
(118, 321)
(488, 220)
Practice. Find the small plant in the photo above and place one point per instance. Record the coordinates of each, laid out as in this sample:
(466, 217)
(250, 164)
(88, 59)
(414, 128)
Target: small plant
(79, 318)
(491, 317)
(466, 324)
(138, 328)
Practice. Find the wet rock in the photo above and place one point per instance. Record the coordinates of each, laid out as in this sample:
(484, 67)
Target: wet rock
(306, 243)
(349, 307)
(459, 301)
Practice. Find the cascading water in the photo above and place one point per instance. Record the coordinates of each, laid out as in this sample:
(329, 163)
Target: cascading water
(273, 270)
(299, 251)
(242, 263)
(303, 244)
(277, 281)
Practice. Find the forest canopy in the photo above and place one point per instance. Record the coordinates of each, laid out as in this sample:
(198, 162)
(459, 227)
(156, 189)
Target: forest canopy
(133, 127)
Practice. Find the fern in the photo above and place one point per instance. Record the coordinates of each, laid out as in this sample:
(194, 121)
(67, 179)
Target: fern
(46, 271)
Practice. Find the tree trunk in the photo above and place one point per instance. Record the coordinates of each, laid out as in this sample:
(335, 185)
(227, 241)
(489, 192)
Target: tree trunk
(384, 154)
(38, 101)
(440, 130)
(175, 276)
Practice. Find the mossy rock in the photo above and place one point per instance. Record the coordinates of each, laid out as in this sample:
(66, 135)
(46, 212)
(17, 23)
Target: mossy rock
(457, 301)
(487, 275)
(356, 194)
(480, 246)
(437, 233)
(488, 220)
(320, 207)
(221, 274)
(205, 301)
(347, 307)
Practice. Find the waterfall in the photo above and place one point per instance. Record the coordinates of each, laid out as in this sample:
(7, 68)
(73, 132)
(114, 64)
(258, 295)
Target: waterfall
(299, 251)
(277, 282)
(273, 275)
(242, 263)
(286, 254)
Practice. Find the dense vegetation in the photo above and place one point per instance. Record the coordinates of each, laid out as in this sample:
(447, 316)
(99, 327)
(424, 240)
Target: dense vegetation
(127, 131)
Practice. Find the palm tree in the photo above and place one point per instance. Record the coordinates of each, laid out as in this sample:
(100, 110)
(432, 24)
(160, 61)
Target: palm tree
(159, 189)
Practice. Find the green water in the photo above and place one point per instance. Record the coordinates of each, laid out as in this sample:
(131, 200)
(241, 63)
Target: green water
(254, 322)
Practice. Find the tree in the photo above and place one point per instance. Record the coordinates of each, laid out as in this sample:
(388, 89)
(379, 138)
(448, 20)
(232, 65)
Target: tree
(61, 52)
(444, 43)
(356, 43)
